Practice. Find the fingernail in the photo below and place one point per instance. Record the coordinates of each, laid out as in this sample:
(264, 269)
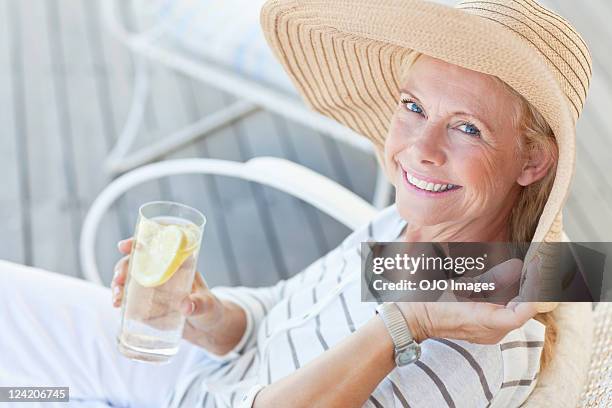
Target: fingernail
(120, 244)
(189, 307)
(116, 291)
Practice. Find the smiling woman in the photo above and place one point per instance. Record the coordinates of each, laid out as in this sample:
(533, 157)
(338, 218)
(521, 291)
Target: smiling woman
(470, 158)
(473, 112)
(467, 153)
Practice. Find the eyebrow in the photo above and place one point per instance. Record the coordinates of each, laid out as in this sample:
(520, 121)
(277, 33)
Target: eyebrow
(471, 115)
(403, 90)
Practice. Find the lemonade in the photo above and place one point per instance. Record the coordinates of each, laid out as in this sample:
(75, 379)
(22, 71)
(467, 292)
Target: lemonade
(161, 272)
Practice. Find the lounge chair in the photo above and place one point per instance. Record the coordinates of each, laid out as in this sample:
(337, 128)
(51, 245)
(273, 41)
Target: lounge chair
(221, 44)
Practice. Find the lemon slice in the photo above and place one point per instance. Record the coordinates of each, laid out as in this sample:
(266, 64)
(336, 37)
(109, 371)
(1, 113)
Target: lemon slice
(159, 253)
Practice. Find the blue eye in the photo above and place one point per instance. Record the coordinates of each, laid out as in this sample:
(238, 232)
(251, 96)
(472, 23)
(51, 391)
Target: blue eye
(415, 108)
(470, 129)
(412, 106)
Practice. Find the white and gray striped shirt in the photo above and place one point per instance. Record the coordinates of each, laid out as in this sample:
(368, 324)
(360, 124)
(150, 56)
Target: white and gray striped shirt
(296, 320)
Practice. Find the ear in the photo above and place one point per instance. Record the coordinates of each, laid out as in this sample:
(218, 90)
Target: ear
(536, 166)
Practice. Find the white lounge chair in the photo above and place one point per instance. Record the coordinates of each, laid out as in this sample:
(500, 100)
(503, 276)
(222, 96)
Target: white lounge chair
(219, 43)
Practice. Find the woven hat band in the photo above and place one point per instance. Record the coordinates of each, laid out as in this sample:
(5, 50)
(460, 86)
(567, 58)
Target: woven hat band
(562, 48)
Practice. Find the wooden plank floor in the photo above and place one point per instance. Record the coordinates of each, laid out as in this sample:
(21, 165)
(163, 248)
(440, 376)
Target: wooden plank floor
(65, 88)
(68, 86)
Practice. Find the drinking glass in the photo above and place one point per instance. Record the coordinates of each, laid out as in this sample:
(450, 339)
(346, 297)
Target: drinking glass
(161, 271)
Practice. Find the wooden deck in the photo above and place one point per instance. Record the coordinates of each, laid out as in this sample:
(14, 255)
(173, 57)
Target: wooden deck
(65, 88)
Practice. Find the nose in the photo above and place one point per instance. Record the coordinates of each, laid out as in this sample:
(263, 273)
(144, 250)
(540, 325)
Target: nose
(429, 147)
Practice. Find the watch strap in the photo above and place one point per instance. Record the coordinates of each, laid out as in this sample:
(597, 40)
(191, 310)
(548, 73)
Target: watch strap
(396, 324)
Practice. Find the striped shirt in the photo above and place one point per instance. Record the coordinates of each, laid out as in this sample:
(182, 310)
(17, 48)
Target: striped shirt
(294, 321)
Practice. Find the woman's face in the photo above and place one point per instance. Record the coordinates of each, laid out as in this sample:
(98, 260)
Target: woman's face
(454, 135)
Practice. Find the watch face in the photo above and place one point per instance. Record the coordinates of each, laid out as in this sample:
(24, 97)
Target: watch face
(408, 355)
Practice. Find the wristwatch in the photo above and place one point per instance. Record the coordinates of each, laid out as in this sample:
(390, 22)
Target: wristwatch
(406, 349)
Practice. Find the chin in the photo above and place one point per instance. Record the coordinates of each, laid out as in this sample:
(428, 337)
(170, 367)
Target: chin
(419, 215)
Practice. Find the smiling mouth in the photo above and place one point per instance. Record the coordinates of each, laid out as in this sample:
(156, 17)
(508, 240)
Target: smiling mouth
(428, 186)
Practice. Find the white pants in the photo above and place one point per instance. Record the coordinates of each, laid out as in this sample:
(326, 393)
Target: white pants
(60, 331)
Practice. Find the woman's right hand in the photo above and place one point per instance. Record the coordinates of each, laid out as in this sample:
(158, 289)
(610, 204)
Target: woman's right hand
(204, 312)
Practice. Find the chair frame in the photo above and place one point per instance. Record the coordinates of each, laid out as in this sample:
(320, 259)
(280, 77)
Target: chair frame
(284, 175)
(147, 48)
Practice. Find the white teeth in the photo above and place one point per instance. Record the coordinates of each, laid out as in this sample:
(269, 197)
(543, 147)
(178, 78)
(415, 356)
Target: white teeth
(424, 185)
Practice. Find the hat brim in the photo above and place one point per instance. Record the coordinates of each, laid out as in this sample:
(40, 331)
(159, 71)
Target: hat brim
(346, 59)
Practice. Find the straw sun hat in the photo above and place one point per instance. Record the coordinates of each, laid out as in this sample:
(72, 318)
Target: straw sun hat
(347, 57)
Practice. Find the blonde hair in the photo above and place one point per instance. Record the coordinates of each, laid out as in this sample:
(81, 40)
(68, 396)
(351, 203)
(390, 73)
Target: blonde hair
(534, 134)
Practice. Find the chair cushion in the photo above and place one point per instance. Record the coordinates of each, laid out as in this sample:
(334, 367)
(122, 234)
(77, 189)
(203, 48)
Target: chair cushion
(226, 32)
(562, 382)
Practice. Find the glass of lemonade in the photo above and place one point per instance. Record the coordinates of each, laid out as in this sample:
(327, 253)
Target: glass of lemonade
(161, 273)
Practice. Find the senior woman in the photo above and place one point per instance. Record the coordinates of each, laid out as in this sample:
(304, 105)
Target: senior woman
(473, 113)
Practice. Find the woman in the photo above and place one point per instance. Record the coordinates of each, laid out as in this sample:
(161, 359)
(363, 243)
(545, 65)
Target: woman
(481, 113)
(474, 123)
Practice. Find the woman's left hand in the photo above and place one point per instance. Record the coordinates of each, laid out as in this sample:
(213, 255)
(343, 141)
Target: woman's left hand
(476, 322)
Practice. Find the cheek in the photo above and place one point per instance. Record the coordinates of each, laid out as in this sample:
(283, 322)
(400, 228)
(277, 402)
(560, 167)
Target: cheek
(490, 174)
(400, 131)
(394, 144)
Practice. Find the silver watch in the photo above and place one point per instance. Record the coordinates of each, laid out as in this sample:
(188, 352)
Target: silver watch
(406, 349)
